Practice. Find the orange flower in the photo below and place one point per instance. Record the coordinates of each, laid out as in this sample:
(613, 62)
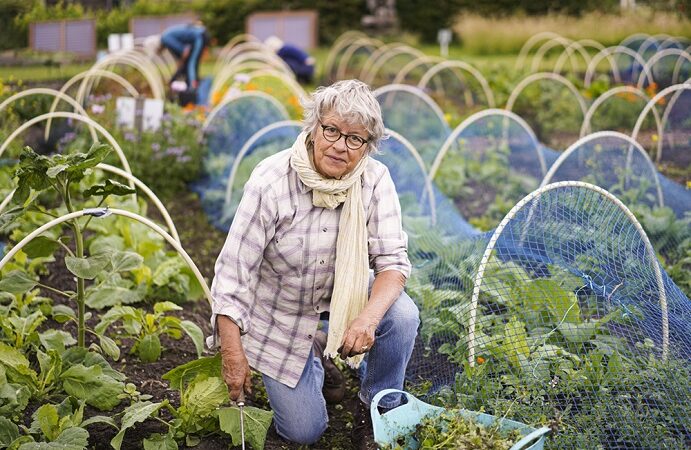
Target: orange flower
(480, 360)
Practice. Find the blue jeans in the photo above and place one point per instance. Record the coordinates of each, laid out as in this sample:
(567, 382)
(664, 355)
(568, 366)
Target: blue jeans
(300, 412)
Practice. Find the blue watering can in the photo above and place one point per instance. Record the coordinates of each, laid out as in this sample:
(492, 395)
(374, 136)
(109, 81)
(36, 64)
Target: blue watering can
(403, 420)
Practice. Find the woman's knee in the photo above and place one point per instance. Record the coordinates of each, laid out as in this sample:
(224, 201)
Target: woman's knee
(303, 431)
(403, 316)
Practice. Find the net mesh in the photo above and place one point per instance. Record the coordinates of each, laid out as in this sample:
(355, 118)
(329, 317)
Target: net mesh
(568, 325)
(266, 142)
(225, 135)
(614, 162)
(410, 112)
(490, 164)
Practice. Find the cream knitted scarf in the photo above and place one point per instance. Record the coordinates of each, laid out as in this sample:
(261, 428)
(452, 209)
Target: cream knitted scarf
(352, 262)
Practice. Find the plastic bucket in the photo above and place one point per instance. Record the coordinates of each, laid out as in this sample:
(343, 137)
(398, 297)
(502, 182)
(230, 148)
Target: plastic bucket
(401, 421)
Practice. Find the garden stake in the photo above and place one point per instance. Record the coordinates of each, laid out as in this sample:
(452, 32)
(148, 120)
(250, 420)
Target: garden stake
(241, 405)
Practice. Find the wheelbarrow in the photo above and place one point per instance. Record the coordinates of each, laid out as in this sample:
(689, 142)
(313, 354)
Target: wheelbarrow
(402, 421)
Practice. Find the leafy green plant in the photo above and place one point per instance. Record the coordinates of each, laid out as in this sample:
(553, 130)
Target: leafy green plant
(202, 396)
(146, 328)
(76, 371)
(59, 173)
(53, 426)
(453, 429)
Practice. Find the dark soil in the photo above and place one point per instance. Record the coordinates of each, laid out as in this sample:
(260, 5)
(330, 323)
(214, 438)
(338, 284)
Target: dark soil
(202, 242)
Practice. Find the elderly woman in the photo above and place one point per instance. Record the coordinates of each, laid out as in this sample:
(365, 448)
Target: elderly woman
(312, 222)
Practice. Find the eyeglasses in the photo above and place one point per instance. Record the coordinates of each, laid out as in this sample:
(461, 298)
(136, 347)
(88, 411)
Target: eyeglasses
(333, 134)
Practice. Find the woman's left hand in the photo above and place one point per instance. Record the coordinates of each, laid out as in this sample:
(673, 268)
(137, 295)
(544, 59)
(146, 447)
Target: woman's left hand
(359, 337)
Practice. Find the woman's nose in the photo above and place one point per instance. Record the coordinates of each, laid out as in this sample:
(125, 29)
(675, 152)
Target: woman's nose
(340, 144)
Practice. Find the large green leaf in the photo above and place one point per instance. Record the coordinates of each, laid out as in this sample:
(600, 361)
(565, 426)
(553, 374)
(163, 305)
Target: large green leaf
(125, 261)
(73, 436)
(79, 355)
(105, 244)
(48, 421)
(163, 307)
(16, 366)
(87, 268)
(9, 216)
(41, 246)
(257, 422)
(31, 173)
(183, 374)
(109, 295)
(515, 346)
(63, 313)
(195, 333)
(56, 170)
(92, 385)
(109, 187)
(109, 347)
(56, 340)
(17, 282)
(14, 398)
(79, 162)
(8, 432)
(138, 412)
(149, 348)
(160, 442)
(167, 270)
(578, 333)
(203, 396)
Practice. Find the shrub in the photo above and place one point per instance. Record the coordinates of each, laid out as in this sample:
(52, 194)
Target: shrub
(14, 34)
(38, 11)
(226, 18)
(426, 20)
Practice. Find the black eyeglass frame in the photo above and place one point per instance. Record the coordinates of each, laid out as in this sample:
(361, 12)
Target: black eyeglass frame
(340, 135)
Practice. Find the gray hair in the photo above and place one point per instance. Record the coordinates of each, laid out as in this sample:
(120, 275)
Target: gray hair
(352, 100)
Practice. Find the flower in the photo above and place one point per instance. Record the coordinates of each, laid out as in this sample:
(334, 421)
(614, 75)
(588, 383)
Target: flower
(97, 109)
(130, 137)
(155, 146)
(480, 360)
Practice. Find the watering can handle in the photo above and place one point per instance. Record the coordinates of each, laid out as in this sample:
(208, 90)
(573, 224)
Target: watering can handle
(530, 438)
(374, 412)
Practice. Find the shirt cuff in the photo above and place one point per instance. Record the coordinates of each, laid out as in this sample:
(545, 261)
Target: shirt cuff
(213, 341)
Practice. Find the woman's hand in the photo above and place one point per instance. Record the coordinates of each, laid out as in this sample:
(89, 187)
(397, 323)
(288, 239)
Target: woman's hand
(235, 368)
(359, 337)
(236, 373)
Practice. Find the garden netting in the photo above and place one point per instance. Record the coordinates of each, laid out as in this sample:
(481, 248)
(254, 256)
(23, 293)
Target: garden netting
(574, 325)
(228, 129)
(489, 162)
(413, 114)
(264, 143)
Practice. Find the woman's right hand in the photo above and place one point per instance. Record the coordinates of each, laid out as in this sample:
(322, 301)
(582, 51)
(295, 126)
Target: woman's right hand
(236, 373)
(235, 368)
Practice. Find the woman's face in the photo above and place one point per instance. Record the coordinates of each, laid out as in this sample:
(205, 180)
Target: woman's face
(335, 159)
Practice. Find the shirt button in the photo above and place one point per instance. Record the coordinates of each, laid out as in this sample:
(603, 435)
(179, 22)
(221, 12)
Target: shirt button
(321, 262)
(309, 336)
(324, 229)
(317, 308)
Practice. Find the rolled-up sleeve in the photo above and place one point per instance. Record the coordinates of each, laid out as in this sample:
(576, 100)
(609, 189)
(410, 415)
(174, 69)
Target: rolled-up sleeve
(237, 267)
(387, 242)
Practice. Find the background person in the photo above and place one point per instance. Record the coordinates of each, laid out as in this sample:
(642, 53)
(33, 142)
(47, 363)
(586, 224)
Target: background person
(312, 221)
(299, 61)
(187, 44)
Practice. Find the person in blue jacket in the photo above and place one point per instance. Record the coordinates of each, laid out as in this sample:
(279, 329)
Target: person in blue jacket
(301, 63)
(187, 43)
